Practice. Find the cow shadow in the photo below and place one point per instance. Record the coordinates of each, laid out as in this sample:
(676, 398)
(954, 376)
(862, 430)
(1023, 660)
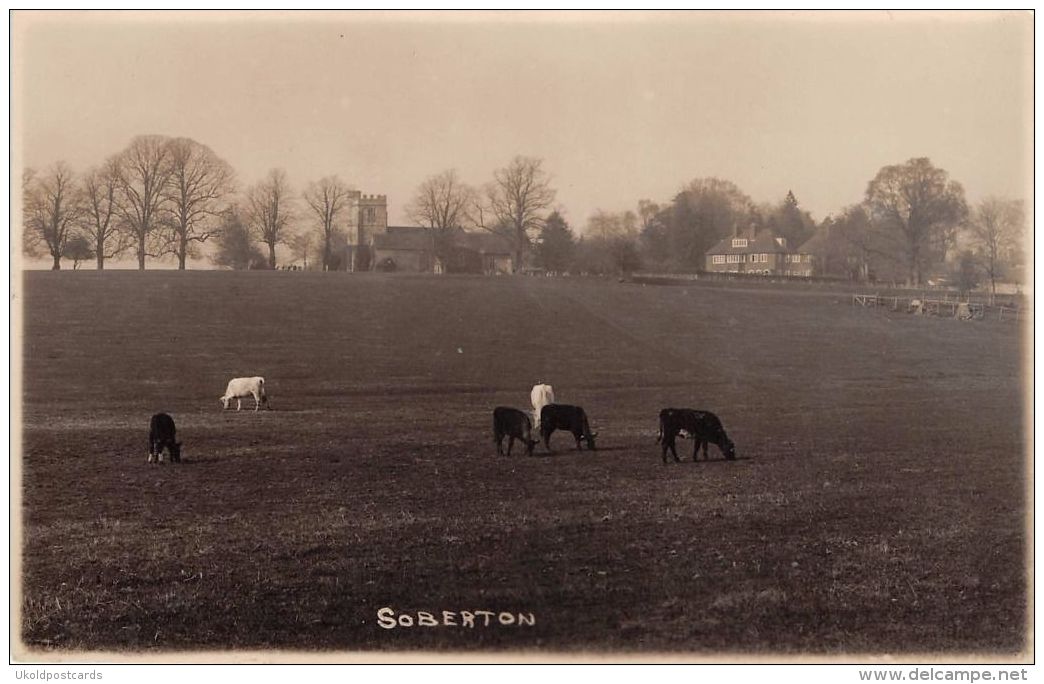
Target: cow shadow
(198, 461)
(543, 453)
(715, 461)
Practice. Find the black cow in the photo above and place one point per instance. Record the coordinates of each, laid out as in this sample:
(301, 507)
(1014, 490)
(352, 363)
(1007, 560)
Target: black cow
(513, 424)
(565, 417)
(702, 426)
(161, 436)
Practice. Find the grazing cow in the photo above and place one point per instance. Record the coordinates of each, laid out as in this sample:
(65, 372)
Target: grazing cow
(565, 417)
(541, 395)
(161, 436)
(239, 388)
(513, 424)
(703, 427)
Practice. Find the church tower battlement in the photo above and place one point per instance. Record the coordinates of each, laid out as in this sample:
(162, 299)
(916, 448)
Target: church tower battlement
(373, 217)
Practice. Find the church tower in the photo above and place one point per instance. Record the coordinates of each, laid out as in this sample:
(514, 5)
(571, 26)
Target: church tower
(373, 217)
(371, 220)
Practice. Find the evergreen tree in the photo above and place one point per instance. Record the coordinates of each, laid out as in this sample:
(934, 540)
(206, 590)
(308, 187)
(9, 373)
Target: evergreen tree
(556, 246)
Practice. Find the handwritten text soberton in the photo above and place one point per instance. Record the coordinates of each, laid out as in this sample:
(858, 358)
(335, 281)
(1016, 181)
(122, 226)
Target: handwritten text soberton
(387, 618)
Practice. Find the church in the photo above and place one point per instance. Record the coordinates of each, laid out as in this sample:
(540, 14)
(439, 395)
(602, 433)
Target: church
(373, 245)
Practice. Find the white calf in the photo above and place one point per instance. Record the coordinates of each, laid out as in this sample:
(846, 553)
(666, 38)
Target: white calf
(238, 388)
(541, 395)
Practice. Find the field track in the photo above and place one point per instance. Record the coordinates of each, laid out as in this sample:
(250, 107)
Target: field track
(877, 506)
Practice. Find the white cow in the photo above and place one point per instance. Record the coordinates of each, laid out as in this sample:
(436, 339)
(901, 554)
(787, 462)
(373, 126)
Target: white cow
(541, 395)
(239, 388)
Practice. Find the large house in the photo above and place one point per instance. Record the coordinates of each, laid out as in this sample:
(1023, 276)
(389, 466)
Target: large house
(760, 254)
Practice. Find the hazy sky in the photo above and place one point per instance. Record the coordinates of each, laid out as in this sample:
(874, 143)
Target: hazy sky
(620, 107)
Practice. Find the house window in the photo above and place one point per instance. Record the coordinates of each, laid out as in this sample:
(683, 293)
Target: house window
(718, 259)
(739, 242)
(733, 258)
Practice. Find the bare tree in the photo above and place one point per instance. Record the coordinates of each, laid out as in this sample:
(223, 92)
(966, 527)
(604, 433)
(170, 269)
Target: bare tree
(199, 181)
(605, 225)
(100, 221)
(269, 209)
(144, 172)
(647, 211)
(441, 204)
(518, 197)
(996, 227)
(301, 246)
(328, 199)
(918, 202)
(50, 209)
(866, 249)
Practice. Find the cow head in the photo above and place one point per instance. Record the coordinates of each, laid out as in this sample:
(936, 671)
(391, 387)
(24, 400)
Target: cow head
(224, 402)
(728, 448)
(175, 452)
(590, 440)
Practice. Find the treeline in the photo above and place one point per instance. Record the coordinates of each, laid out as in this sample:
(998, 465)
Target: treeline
(163, 197)
(913, 224)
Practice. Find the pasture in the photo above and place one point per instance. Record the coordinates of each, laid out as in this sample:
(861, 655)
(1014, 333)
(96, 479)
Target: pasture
(877, 505)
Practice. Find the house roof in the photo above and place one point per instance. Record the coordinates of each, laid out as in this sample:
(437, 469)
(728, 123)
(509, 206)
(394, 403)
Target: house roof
(763, 243)
(412, 238)
(416, 238)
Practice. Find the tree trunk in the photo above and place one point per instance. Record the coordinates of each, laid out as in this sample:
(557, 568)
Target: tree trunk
(271, 255)
(914, 253)
(99, 255)
(326, 254)
(141, 253)
(182, 253)
(57, 265)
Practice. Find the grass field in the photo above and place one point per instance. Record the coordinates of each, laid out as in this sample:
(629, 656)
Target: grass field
(877, 505)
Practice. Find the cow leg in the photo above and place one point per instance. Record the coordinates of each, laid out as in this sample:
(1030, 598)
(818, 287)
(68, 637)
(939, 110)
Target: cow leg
(239, 403)
(547, 440)
(695, 448)
(577, 436)
(499, 439)
(511, 443)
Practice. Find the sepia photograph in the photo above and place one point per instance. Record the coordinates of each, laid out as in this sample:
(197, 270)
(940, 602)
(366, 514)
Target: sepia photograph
(553, 336)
